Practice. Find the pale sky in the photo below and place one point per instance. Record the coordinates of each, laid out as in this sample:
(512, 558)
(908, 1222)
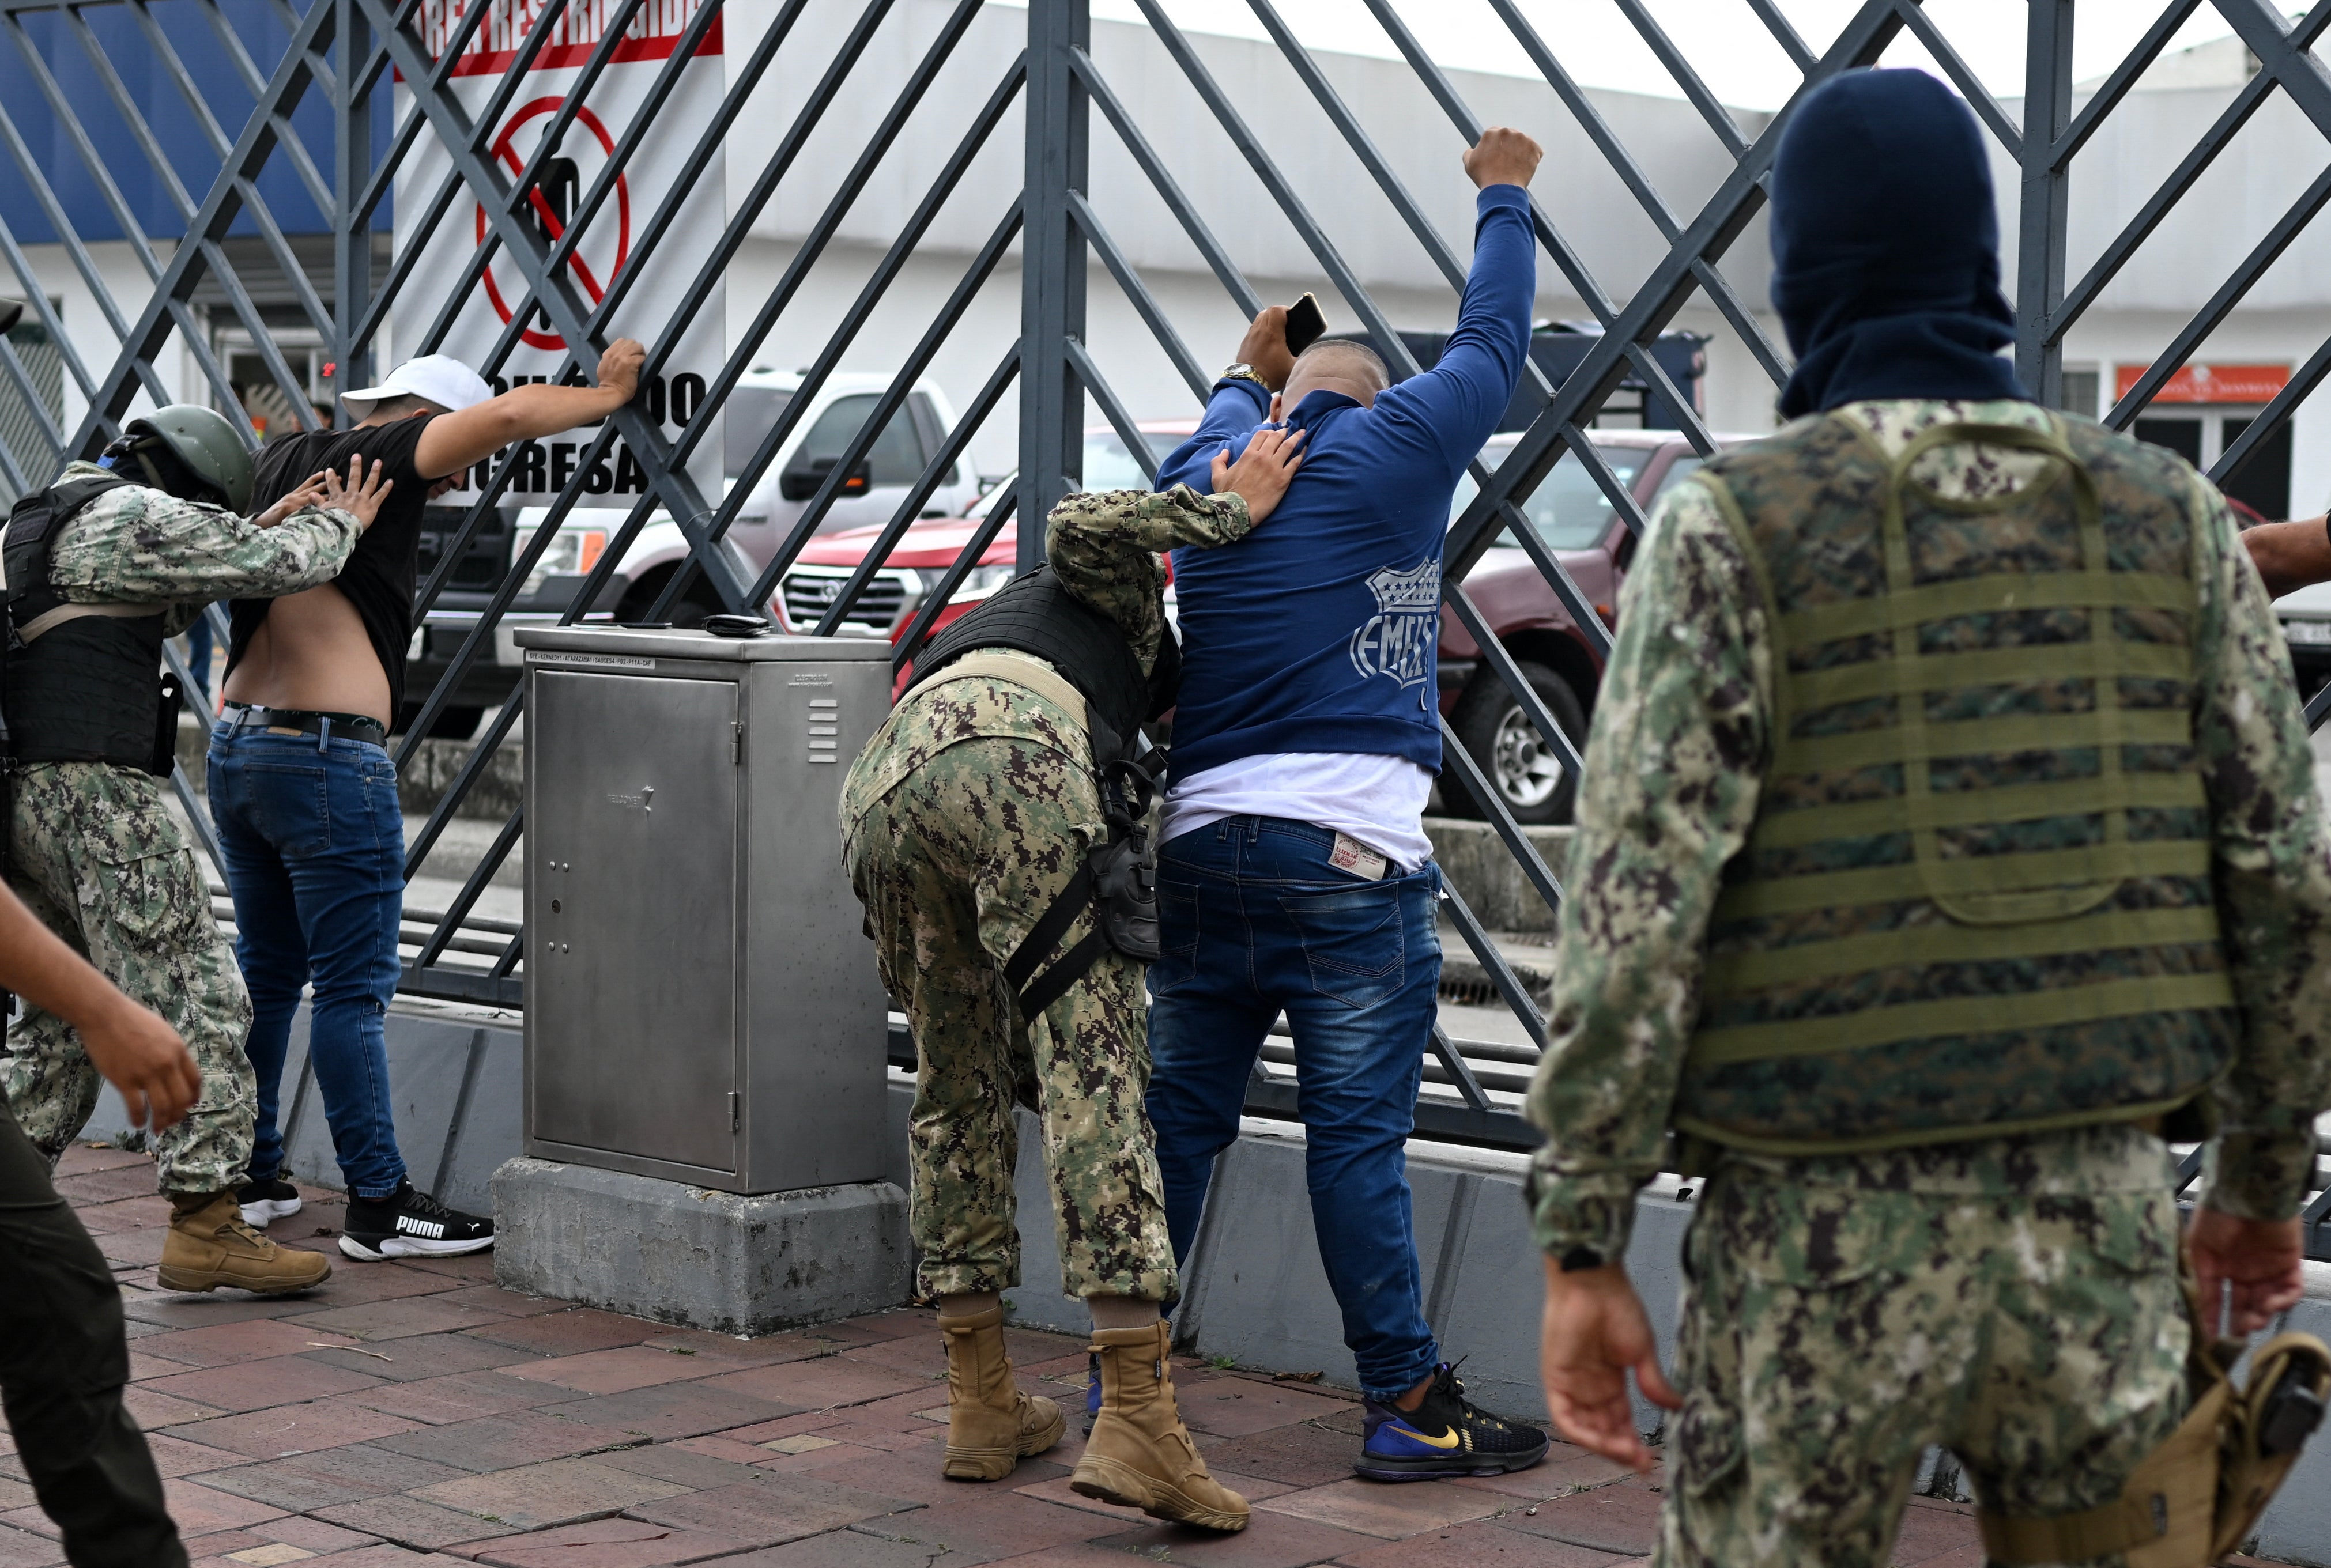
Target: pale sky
(1723, 39)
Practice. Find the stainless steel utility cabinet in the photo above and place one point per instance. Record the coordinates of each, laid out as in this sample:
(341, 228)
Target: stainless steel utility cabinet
(702, 1004)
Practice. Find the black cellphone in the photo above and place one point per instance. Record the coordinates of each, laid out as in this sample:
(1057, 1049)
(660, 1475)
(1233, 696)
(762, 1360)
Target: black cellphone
(1305, 324)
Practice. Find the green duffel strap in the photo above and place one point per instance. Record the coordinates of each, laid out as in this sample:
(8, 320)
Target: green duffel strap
(2071, 797)
(1975, 874)
(1989, 1014)
(1736, 973)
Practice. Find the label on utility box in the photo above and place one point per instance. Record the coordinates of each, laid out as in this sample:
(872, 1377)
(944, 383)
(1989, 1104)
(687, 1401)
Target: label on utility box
(590, 661)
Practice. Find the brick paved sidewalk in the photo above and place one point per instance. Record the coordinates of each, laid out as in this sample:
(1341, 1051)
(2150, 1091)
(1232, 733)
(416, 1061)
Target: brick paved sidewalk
(412, 1413)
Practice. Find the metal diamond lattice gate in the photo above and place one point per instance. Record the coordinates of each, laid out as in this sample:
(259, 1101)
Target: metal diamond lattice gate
(208, 180)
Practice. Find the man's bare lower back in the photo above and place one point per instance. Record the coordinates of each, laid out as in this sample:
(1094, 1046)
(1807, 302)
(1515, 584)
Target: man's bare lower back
(312, 652)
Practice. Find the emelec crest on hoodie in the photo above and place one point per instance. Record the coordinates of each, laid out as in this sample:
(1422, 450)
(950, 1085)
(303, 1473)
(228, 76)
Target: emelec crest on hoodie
(1398, 639)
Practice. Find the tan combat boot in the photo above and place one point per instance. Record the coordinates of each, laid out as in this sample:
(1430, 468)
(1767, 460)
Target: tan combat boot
(210, 1246)
(992, 1426)
(1139, 1455)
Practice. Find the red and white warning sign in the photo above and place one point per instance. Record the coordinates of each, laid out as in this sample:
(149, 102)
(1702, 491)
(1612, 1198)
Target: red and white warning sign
(609, 246)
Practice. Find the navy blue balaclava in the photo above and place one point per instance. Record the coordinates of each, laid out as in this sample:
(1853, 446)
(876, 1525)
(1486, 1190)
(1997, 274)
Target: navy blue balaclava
(1885, 247)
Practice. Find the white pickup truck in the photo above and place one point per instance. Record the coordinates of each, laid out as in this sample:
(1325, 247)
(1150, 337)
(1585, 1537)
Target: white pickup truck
(841, 407)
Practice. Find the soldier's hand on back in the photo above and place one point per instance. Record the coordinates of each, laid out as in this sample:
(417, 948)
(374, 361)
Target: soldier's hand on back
(619, 368)
(2259, 1260)
(1263, 471)
(1503, 156)
(311, 493)
(145, 1060)
(361, 495)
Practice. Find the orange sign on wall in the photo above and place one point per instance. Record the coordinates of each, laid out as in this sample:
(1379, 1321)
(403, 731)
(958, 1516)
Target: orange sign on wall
(2211, 382)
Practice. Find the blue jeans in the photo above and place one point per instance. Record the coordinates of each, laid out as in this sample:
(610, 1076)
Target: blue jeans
(315, 861)
(1255, 920)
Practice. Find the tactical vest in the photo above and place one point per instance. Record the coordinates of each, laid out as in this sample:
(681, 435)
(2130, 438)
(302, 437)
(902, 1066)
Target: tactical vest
(1976, 900)
(81, 680)
(1035, 613)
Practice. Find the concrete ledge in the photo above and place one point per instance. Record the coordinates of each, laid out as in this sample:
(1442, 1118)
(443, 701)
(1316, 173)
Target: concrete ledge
(688, 1255)
(455, 1080)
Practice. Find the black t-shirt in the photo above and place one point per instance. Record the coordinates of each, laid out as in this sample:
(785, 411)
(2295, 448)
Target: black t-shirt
(379, 577)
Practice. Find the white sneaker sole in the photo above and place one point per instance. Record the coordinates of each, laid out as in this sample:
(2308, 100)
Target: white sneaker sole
(411, 1246)
(259, 1214)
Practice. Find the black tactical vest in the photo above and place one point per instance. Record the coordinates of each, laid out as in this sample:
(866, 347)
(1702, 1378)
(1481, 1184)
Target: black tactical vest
(1034, 613)
(84, 689)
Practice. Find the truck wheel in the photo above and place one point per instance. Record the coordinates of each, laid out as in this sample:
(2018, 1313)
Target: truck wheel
(1528, 775)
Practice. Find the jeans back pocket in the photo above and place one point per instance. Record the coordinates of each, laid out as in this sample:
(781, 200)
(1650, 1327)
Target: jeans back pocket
(290, 806)
(1351, 940)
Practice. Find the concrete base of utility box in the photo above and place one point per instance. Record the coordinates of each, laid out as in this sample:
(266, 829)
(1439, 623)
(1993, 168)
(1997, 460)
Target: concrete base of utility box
(687, 1255)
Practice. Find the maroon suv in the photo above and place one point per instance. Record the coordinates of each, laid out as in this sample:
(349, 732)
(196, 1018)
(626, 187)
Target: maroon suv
(1578, 524)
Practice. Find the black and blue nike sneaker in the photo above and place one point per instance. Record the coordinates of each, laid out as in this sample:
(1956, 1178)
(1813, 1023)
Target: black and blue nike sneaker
(1445, 1435)
(1092, 1393)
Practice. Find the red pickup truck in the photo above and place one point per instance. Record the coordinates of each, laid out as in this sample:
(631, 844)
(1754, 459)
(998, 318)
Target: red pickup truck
(1572, 516)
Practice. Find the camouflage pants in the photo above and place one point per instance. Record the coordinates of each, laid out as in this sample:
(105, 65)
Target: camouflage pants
(954, 865)
(1836, 1326)
(99, 859)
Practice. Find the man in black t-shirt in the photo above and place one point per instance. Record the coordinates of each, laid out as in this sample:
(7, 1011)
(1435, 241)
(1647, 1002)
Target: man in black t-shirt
(304, 794)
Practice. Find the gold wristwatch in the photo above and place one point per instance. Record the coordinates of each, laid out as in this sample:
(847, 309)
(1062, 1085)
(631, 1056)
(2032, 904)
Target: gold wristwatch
(1241, 371)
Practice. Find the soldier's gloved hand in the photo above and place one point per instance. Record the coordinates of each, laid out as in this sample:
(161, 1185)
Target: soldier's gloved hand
(1595, 1332)
(2260, 1258)
(142, 1057)
(1262, 472)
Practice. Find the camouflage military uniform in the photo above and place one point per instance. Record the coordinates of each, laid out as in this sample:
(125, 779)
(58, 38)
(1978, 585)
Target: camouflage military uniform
(962, 821)
(97, 855)
(2012, 1298)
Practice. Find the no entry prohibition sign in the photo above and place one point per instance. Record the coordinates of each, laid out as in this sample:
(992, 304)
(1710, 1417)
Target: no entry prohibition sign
(442, 286)
(551, 206)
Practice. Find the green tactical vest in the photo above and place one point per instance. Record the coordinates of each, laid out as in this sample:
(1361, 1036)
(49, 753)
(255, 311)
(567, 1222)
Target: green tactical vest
(1977, 897)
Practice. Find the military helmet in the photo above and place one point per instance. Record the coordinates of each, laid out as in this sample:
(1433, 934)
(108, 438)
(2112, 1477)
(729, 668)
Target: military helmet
(202, 440)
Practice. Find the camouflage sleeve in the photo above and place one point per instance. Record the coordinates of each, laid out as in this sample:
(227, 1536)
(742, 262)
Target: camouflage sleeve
(1672, 769)
(1105, 545)
(139, 545)
(2272, 871)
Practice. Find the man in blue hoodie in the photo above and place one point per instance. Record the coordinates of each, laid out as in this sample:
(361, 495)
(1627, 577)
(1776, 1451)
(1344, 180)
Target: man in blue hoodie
(1295, 873)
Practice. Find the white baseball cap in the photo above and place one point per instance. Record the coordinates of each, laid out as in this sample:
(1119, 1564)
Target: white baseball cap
(438, 378)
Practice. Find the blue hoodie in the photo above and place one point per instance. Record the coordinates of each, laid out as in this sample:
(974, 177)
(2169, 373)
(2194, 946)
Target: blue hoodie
(1319, 631)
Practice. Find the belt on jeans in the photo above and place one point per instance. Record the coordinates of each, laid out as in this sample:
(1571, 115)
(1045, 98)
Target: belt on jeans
(354, 726)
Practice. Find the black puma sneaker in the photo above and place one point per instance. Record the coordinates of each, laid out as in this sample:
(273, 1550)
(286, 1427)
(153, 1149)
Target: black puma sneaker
(263, 1201)
(1445, 1435)
(410, 1224)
